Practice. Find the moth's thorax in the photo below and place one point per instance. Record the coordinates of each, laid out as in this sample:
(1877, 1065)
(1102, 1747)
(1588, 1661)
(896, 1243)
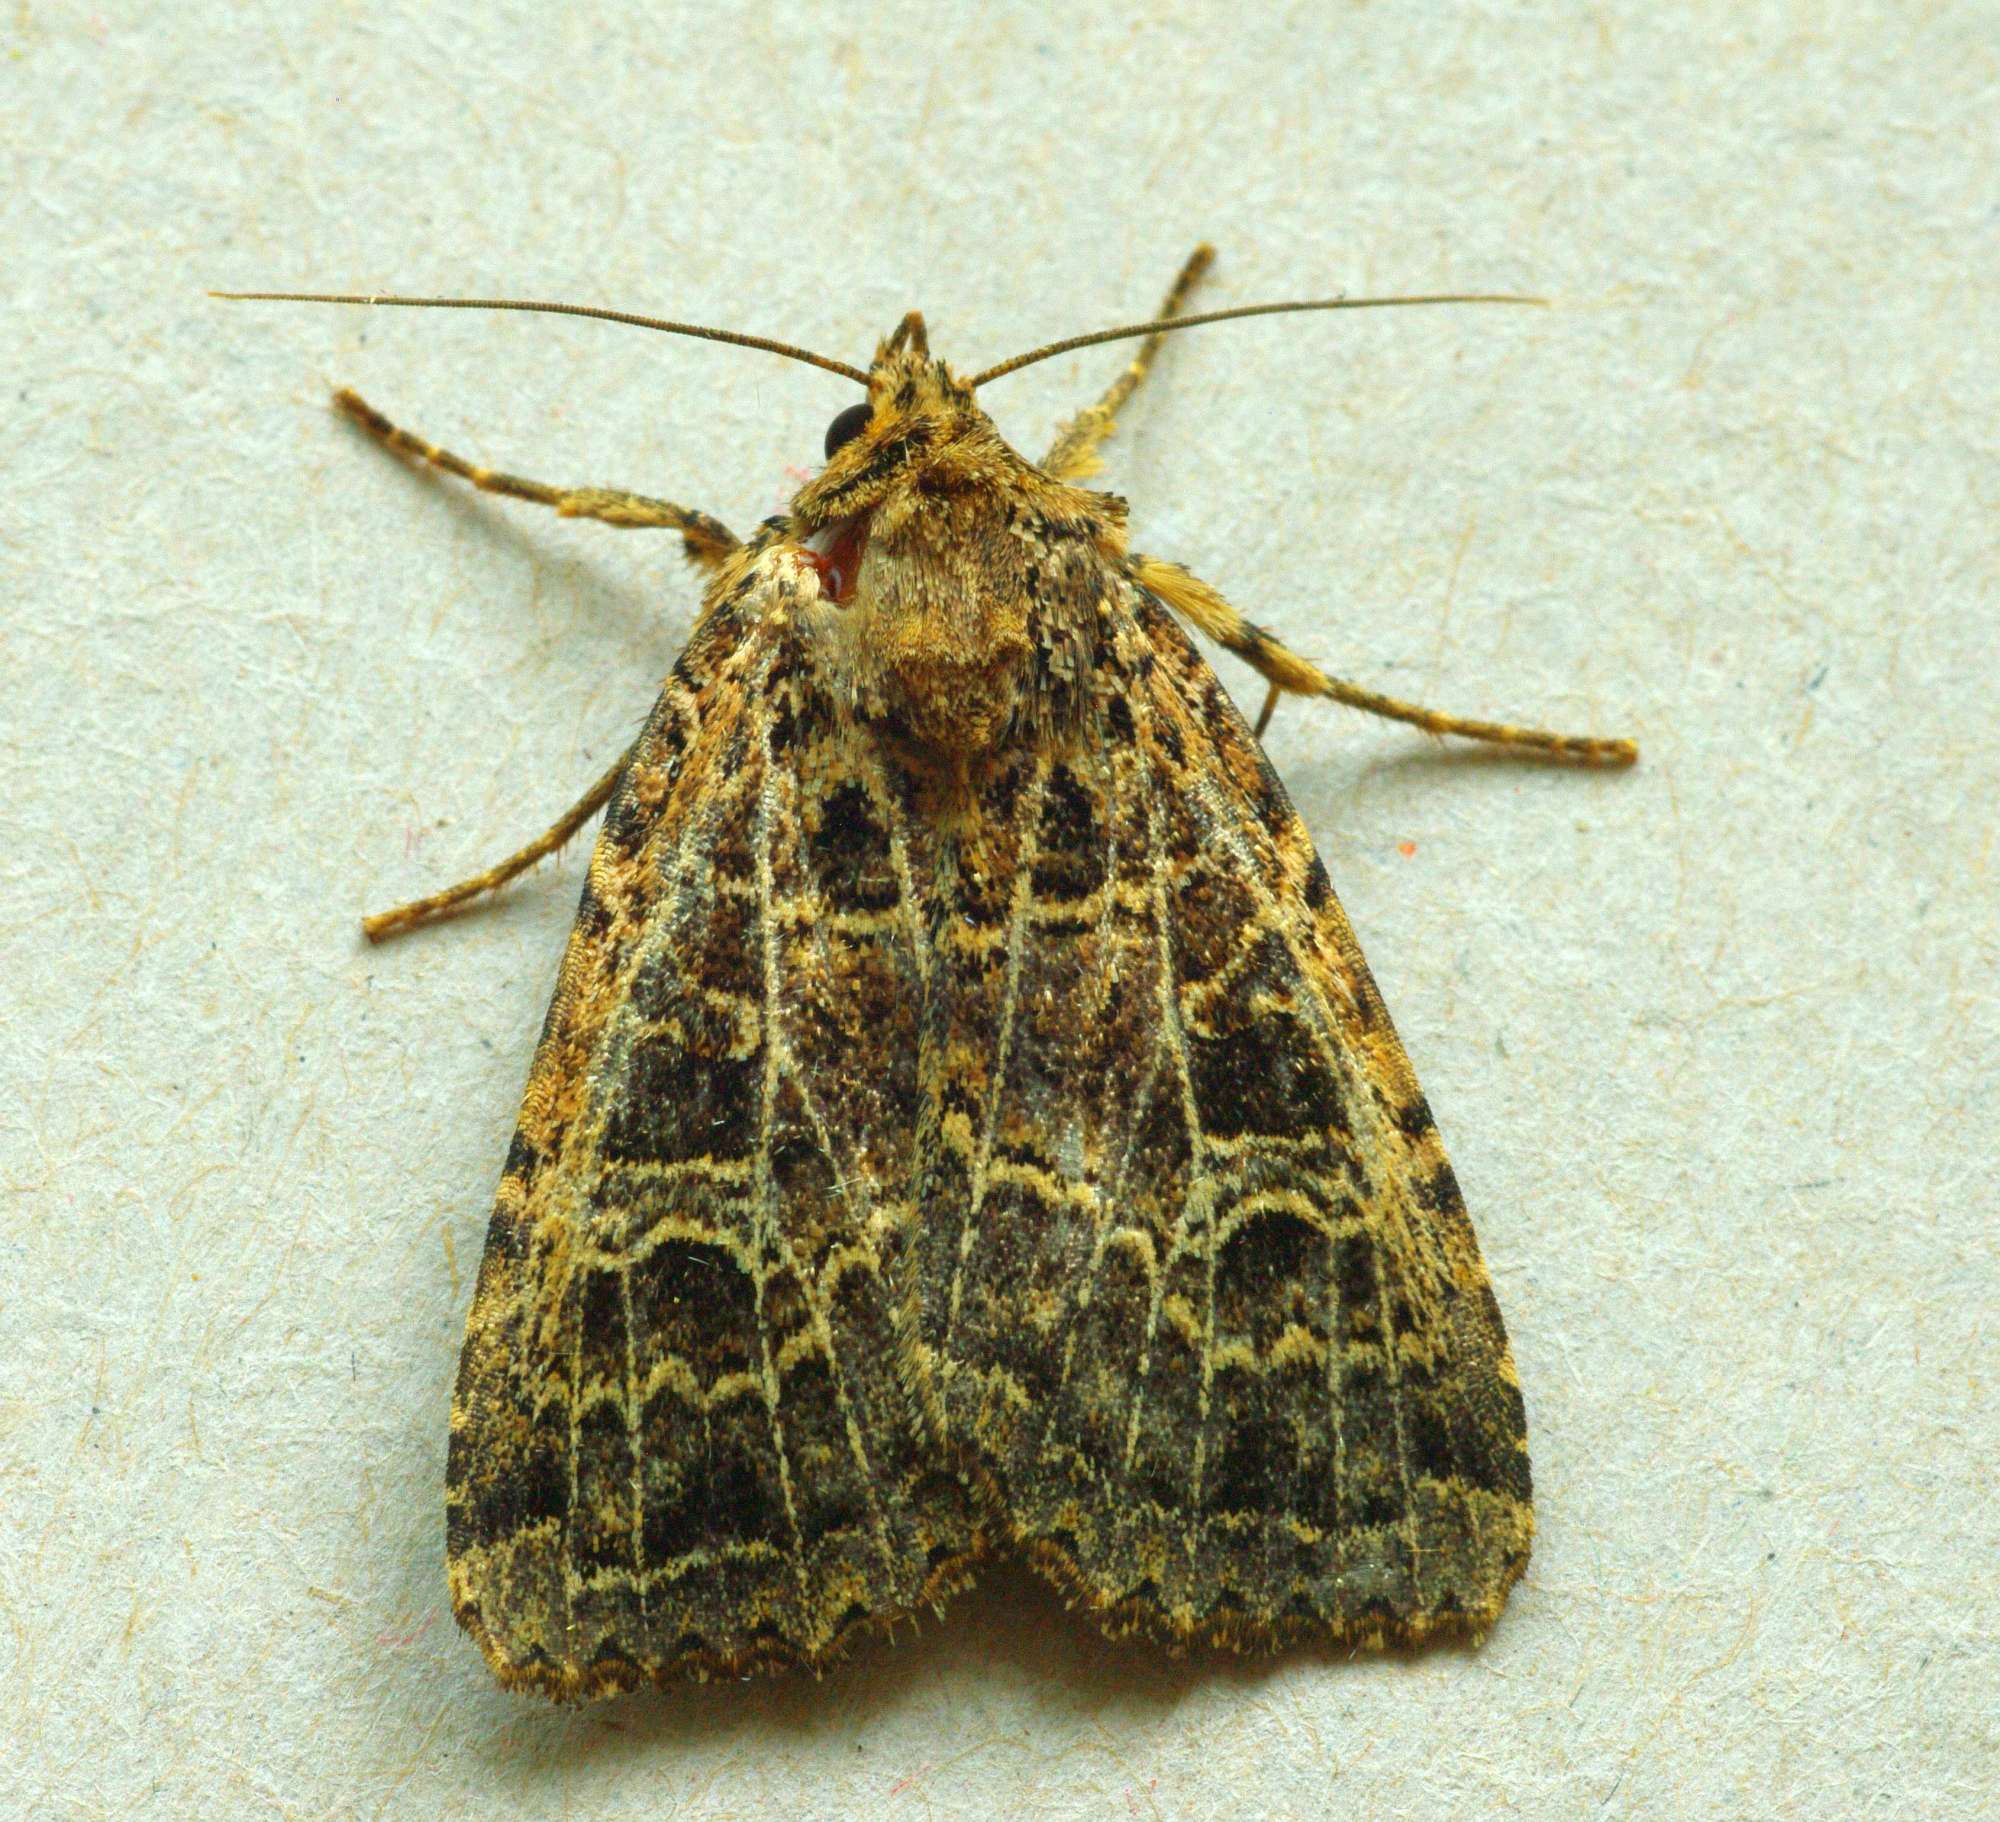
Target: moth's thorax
(958, 586)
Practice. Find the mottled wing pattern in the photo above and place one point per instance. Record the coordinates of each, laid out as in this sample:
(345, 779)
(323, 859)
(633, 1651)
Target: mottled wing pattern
(1209, 1316)
(686, 1437)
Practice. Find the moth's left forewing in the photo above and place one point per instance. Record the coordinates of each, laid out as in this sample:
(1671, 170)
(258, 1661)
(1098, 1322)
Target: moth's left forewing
(1219, 1329)
(1423, 1199)
(1427, 1385)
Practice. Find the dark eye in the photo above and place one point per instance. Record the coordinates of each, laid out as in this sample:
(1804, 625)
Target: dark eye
(845, 428)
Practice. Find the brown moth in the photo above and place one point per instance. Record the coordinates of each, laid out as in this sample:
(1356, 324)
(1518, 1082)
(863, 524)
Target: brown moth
(965, 1125)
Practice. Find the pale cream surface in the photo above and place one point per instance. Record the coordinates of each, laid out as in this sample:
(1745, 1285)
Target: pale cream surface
(1713, 1044)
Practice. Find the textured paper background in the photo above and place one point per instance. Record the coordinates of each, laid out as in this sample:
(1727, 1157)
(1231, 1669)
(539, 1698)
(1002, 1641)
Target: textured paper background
(1714, 1044)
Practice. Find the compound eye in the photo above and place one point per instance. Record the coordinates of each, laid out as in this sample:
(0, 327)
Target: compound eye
(845, 428)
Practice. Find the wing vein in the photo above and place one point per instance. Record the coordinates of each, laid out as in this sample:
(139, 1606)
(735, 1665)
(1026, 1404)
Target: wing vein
(1173, 1038)
(766, 1200)
(1017, 912)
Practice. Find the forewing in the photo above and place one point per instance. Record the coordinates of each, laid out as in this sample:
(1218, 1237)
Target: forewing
(688, 1435)
(1207, 1307)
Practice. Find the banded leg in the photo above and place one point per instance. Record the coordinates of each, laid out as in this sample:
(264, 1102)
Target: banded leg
(708, 541)
(1289, 674)
(442, 904)
(1074, 452)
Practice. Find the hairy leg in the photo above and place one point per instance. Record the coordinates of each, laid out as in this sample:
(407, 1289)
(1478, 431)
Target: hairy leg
(442, 904)
(1074, 452)
(708, 542)
(1289, 674)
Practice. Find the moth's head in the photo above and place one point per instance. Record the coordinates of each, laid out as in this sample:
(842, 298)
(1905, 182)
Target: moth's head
(938, 551)
(904, 463)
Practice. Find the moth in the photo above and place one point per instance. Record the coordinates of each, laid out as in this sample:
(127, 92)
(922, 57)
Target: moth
(965, 1126)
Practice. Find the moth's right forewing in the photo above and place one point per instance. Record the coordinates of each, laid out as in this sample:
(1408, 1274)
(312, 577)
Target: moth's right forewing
(687, 1437)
